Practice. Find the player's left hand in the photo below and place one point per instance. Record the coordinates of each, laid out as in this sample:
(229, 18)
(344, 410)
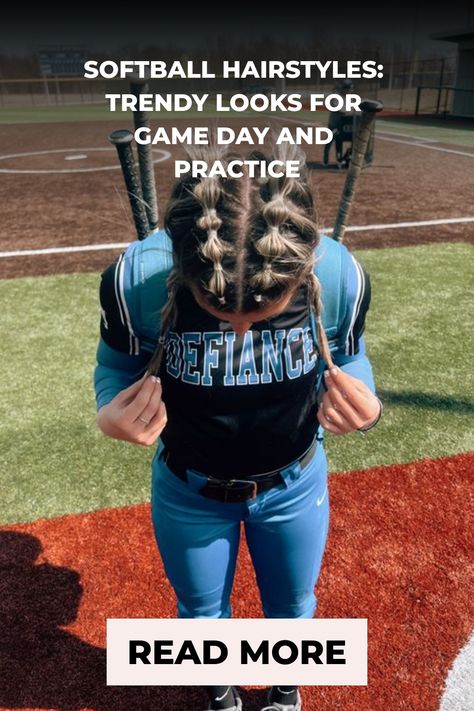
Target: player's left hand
(348, 404)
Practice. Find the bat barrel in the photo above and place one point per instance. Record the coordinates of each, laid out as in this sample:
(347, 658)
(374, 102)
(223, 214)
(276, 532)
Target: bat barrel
(359, 147)
(145, 159)
(122, 140)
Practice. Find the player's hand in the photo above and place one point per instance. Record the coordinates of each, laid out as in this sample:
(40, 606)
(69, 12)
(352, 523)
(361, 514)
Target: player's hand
(348, 404)
(137, 414)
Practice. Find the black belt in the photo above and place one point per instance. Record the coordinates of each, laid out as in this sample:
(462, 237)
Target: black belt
(235, 490)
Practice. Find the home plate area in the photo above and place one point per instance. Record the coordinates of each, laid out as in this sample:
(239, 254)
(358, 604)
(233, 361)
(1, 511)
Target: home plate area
(63, 160)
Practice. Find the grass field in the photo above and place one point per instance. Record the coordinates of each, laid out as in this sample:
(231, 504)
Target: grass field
(442, 131)
(419, 333)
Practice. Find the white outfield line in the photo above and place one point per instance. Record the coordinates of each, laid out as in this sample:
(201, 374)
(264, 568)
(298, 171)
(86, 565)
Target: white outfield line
(459, 691)
(416, 143)
(380, 134)
(65, 250)
(123, 245)
(77, 154)
(395, 225)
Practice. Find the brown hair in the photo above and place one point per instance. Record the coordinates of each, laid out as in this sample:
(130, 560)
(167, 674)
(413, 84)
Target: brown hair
(243, 243)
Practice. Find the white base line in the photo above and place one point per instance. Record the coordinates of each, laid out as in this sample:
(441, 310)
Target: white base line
(380, 134)
(395, 225)
(422, 139)
(65, 250)
(123, 245)
(416, 144)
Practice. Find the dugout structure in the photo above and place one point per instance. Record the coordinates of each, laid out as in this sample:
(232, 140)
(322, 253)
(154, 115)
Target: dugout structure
(463, 90)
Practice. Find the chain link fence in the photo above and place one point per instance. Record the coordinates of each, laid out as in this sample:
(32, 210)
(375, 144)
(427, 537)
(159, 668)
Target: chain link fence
(417, 86)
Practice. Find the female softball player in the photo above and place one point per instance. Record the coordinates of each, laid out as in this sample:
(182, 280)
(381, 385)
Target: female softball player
(215, 335)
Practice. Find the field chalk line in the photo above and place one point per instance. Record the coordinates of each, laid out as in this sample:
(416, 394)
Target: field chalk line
(380, 134)
(417, 144)
(73, 154)
(327, 230)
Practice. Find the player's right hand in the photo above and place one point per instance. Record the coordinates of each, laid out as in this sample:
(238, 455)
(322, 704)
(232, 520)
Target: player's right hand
(137, 414)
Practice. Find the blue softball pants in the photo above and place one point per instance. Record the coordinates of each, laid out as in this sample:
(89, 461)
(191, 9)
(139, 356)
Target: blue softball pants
(285, 527)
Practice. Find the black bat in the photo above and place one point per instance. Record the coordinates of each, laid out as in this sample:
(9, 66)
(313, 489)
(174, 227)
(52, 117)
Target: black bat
(359, 147)
(122, 140)
(145, 159)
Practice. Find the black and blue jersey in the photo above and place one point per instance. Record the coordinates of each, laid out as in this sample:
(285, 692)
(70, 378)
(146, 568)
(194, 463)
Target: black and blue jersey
(236, 404)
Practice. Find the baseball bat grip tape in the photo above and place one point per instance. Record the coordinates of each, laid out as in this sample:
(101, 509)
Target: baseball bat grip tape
(145, 161)
(122, 140)
(359, 147)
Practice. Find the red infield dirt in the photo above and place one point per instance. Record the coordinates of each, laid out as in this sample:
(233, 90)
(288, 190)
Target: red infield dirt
(406, 183)
(398, 554)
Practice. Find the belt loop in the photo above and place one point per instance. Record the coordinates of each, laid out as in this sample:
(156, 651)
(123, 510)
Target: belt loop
(289, 474)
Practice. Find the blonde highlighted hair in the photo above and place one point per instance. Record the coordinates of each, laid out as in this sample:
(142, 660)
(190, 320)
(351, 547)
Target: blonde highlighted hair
(243, 243)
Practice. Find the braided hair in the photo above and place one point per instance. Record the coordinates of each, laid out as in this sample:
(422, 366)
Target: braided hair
(242, 243)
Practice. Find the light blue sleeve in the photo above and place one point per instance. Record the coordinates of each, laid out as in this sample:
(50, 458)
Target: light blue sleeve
(120, 358)
(351, 354)
(132, 292)
(116, 371)
(358, 365)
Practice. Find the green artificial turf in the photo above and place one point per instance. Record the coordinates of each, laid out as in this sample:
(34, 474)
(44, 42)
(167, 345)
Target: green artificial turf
(54, 461)
(419, 339)
(443, 131)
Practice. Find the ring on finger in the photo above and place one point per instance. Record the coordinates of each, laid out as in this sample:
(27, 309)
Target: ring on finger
(143, 419)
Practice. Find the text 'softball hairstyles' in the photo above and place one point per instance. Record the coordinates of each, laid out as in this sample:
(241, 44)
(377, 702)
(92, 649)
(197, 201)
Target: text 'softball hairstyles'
(243, 243)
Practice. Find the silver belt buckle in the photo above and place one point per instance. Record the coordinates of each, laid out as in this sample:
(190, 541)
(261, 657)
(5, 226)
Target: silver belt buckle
(247, 482)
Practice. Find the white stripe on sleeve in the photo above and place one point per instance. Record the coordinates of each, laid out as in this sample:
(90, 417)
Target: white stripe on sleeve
(350, 341)
(124, 313)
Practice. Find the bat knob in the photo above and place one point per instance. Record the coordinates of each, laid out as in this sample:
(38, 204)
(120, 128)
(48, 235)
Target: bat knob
(121, 136)
(369, 106)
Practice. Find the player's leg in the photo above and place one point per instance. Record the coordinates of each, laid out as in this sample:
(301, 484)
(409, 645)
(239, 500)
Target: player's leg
(286, 537)
(326, 152)
(339, 147)
(198, 542)
(286, 534)
(333, 125)
(338, 120)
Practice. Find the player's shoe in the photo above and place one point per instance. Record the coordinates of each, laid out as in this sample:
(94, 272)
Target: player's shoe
(237, 705)
(275, 706)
